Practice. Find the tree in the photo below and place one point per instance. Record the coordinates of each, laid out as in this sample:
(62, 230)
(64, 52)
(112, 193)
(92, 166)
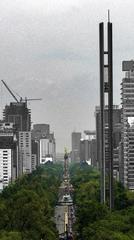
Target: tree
(27, 205)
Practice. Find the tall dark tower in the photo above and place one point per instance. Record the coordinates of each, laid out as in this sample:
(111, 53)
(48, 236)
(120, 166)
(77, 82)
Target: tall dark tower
(106, 94)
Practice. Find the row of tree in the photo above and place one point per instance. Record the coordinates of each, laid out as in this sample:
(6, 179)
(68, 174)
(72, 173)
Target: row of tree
(94, 220)
(27, 206)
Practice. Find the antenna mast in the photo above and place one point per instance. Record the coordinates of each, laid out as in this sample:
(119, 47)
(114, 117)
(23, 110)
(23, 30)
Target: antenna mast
(108, 15)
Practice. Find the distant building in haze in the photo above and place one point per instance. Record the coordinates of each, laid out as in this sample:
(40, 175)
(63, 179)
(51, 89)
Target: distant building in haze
(94, 153)
(40, 131)
(46, 143)
(85, 151)
(59, 157)
(88, 148)
(75, 154)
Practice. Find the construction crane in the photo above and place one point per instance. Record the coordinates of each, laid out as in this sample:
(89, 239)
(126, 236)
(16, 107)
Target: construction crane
(9, 90)
(29, 99)
(21, 99)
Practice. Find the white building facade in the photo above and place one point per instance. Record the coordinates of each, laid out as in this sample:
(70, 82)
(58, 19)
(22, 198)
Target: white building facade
(5, 167)
(47, 150)
(8, 154)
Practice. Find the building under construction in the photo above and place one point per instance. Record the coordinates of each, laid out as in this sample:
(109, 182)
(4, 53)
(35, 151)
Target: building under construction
(19, 114)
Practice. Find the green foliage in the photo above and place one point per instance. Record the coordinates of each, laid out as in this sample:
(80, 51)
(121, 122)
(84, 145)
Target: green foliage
(10, 236)
(130, 198)
(94, 220)
(27, 206)
(120, 196)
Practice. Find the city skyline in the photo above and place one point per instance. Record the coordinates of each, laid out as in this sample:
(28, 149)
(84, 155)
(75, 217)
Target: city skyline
(50, 50)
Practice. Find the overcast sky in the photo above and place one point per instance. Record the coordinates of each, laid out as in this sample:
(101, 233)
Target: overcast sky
(49, 49)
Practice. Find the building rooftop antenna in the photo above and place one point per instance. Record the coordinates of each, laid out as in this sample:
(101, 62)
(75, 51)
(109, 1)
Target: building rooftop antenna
(108, 15)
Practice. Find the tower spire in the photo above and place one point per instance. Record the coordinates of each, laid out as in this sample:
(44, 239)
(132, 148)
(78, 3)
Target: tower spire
(108, 15)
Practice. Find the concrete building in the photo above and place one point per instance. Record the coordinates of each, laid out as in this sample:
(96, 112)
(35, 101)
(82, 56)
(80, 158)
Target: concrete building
(116, 159)
(40, 131)
(91, 136)
(35, 153)
(52, 146)
(85, 151)
(34, 162)
(127, 96)
(44, 150)
(8, 154)
(94, 153)
(46, 143)
(75, 154)
(82, 150)
(19, 114)
(5, 167)
(130, 165)
(88, 152)
(25, 153)
(47, 150)
(59, 157)
(98, 133)
(117, 126)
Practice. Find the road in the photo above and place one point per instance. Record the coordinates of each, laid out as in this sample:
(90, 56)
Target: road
(64, 211)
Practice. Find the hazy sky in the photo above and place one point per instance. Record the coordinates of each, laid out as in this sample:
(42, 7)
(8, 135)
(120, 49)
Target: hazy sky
(49, 49)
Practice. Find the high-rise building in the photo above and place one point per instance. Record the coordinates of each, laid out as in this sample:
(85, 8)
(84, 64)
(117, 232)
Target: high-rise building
(25, 153)
(34, 162)
(75, 154)
(88, 151)
(40, 131)
(94, 153)
(19, 114)
(127, 96)
(46, 143)
(35, 153)
(82, 150)
(8, 154)
(59, 157)
(52, 146)
(116, 137)
(91, 136)
(5, 167)
(85, 151)
(130, 153)
(47, 150)
(44, 150)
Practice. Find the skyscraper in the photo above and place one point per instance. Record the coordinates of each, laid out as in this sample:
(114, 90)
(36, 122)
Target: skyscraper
(75, 155)
(127, 96)
(19, 114)
(8, 154)
(40, 131)
(116, 135)
(46, 142)
(25, 153)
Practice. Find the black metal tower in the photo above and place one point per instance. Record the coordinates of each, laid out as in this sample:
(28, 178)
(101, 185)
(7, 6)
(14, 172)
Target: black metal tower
(106, 87)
